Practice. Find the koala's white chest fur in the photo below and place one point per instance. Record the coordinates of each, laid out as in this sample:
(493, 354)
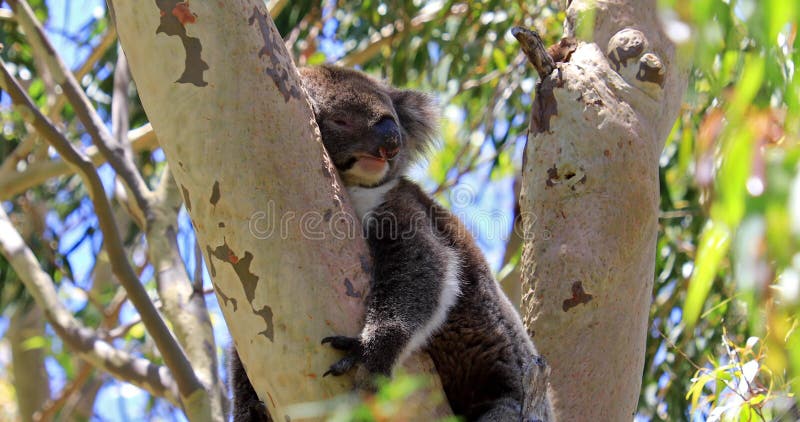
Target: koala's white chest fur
(365, 200)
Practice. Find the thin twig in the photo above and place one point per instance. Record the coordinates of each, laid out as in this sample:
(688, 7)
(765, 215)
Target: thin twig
(120, 122)
(105, 43)
(121, 330)
(49, 408)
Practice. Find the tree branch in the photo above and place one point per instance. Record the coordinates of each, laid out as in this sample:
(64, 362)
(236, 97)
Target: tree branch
(114, 152)
(184, 308)
(174, 357)
(140, 372)
(52, 406)
(120, 118)
(119, 101)
(8, 168)
(590, 197)
(105, 43)
(142, 138)
(533, 47)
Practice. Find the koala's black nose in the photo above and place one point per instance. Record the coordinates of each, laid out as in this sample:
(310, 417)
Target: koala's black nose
(388, 134)
(387, 131)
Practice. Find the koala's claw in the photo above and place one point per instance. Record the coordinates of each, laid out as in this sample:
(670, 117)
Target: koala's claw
(351, 345)
(342, 342)
(342, 366)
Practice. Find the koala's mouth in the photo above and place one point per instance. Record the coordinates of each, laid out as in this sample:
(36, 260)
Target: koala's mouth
(365, 170)
(370, 162)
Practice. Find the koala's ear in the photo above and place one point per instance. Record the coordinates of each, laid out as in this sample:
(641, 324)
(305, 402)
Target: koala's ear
(309, 79)
(419, 117)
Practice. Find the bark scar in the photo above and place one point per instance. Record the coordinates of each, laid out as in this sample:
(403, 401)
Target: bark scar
(279, 69)
(187, 200)
(183, 13)
(579, 296)
(544, 61)
(226, 299)
(651, 70)
(350, 291)
(545, 105)
(627, 44)
(215, 193)
(241, 266)
(562, 52)
(174, 15)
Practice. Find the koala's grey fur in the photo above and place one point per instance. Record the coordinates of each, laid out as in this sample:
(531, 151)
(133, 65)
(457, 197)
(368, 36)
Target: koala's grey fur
(431, 286)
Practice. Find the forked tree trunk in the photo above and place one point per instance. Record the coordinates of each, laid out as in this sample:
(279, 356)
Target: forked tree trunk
(590, 200)
(287, 261)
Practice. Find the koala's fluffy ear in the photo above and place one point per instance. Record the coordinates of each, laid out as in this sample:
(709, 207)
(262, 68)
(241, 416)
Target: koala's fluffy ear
(419, 117)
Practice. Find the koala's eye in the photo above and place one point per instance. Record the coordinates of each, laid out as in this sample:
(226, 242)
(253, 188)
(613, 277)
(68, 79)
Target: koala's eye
(341, 123)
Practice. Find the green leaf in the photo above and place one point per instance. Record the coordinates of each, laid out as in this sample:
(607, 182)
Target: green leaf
(35, 342)
(696, 389)
(316, 59)
(499, 59)
(714, 244)
(747, 87)
(737, 153)
(136, 331)
(793, 350)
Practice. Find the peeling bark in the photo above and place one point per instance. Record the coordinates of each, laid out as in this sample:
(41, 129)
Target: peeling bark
(589, 202)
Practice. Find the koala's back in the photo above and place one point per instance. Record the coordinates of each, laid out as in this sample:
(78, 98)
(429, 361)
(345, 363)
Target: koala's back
(482, 351)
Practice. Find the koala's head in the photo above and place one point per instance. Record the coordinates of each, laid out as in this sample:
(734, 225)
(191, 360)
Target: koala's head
(371, 130)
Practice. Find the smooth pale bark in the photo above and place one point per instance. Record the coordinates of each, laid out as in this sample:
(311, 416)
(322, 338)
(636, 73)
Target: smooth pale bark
(272, 219)
(590, 199)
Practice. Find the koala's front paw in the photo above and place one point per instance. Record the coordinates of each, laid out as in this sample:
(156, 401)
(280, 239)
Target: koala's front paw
(352, 346)
(343, 343)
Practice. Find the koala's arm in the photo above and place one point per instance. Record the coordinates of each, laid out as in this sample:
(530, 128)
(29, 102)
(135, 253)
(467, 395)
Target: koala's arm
(414, 283)
(246, 406)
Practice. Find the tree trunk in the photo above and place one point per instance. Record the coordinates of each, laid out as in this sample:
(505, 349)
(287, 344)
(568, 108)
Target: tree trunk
(590, 200)
(30, 375)
(286, 259)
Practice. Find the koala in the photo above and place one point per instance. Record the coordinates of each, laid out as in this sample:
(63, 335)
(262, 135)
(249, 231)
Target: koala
(431, 288)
